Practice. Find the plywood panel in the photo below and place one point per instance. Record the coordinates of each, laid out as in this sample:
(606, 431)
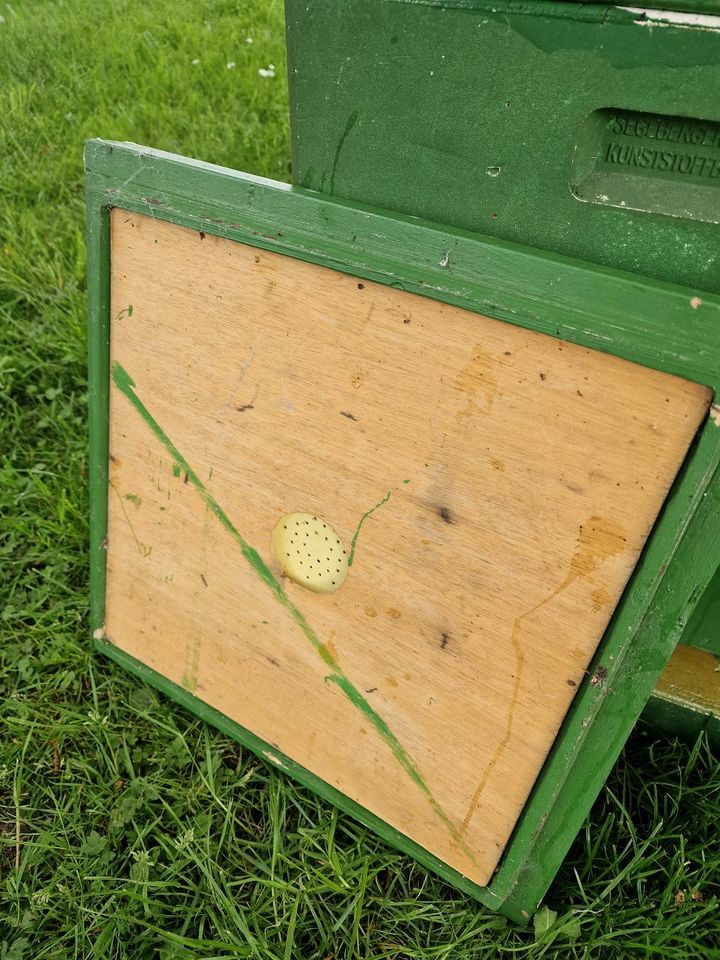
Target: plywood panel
(497, 484)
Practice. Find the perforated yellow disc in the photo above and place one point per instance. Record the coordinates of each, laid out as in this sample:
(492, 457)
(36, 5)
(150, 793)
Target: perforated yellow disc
(310, 552)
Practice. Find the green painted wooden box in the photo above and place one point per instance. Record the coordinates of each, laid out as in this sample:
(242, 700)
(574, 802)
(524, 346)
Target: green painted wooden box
(145, 210)
(590, 130)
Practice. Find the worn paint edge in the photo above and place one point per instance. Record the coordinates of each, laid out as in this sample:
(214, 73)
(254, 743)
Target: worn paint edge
(676, 720)
(654, 17)
(97, 231)
(675, 12)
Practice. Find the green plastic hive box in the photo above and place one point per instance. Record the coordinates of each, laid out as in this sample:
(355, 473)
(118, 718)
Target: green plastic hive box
(590, 130)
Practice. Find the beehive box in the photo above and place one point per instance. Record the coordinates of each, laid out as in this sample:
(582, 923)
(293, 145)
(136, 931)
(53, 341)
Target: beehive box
(486, 436)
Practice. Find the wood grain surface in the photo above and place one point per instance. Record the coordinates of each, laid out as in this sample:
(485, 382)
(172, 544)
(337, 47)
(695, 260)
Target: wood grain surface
(692, 678)
(499, 485)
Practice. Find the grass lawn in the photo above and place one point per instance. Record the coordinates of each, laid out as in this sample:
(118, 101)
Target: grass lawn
(127, 827)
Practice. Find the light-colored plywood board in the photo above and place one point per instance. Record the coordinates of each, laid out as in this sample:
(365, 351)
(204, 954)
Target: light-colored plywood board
(692, 678)
(498, 486)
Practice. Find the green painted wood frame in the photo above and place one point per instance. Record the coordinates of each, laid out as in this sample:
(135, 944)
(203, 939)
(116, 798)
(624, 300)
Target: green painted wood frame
(652, 323)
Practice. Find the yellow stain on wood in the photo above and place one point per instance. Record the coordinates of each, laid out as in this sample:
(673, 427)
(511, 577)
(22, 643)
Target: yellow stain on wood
(477, 377)
(599, 598)
(599, 538)
(692, 677)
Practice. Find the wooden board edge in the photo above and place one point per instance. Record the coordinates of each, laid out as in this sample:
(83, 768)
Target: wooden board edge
(686, 699)
(692, 677)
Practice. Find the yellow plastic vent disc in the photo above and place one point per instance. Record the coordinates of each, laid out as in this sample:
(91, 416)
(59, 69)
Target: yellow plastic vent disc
(310, 552)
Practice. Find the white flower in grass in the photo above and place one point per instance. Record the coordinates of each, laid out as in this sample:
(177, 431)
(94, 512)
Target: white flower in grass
(140, 870)
(230, 65)
(142, 857)
(185, 839)
(196, 61)
(269, 72)
(248, 39)
(95, 718)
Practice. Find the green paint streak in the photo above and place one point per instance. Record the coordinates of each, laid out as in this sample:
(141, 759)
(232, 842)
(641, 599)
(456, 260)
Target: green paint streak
(406, 481)
(126, 385)
(399, 752)
(363, 518)
(176, 470)
(133, 498)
